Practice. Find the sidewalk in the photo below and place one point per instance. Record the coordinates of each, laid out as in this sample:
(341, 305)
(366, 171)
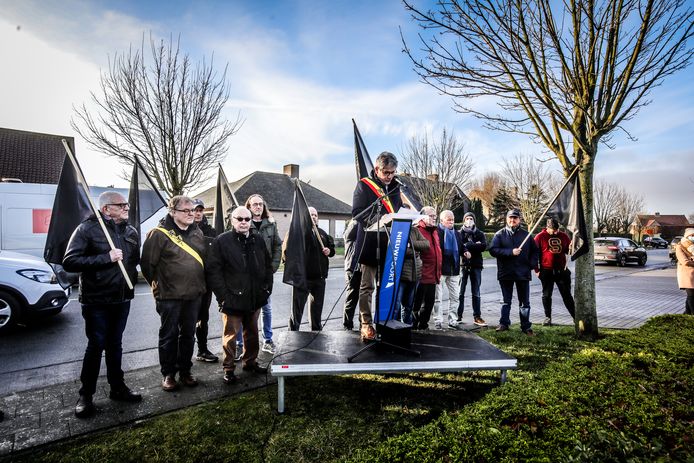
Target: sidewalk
(46, 415)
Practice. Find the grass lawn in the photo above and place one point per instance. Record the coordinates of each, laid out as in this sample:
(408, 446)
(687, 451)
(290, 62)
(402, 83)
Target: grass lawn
(626, 397)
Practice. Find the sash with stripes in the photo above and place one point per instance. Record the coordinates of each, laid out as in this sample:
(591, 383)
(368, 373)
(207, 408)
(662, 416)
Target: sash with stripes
(378, 191)
(178, 241)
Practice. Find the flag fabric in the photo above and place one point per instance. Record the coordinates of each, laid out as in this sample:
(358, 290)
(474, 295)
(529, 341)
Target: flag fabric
(143, 197)
(224, 202)
(298, 239)
(362, 160)
(567, 208)
(70, 208)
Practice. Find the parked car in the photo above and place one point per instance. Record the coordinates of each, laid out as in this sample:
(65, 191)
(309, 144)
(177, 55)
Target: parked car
(673, 245)
(619, 251)
(28, 289)
(655, 242)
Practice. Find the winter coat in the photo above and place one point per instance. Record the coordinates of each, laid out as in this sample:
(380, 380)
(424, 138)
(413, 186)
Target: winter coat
(207, 230)
(350, 237)
(273, 242)
(685, 265)
(172, 272)
(510, 267)
(102, 281)
(475, 243)
(450, 264)
(363, 197)
(412, 267)
(431, 259)
(239, 270)
(553, 249)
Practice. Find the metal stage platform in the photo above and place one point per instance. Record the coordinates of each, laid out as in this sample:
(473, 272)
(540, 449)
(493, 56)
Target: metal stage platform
(328, 353)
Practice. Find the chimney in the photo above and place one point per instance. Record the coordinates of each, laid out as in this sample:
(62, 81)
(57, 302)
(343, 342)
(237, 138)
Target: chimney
(657, 213)
(292, 170)
(433, 177)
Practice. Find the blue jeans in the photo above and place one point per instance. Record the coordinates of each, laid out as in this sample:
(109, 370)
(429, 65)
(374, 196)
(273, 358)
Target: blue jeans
(523, 293)
(405, 301)
(266, 312)
(104, 325)
(177, 334)
(475, 276)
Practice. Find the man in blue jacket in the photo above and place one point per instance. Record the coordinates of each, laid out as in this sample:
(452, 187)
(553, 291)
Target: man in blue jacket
(516, 257)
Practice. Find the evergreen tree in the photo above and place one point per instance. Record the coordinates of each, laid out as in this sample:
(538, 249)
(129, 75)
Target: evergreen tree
(503, 201)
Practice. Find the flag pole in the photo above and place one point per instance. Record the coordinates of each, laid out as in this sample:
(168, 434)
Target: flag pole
(315, 229)
(568, 179)
(83, 182)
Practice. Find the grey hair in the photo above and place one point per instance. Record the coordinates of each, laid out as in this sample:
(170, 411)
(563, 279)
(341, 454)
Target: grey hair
(425, 210)
(386, 159)
(174, 201)
(235, 212)
(445, 213)
(110, 197)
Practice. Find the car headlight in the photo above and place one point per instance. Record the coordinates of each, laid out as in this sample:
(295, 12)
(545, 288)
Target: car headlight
(42, 276)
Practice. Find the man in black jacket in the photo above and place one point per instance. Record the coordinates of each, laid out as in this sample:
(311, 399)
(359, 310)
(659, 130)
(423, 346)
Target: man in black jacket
(104, 295)
(201, 328)
(316, 273)
(472, 244)
(516, 257)
(239, 270)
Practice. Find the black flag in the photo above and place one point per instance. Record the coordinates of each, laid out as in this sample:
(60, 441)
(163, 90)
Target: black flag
(70, 208)
(298, 239)
(224, 202)
(144, 198)
(362, 160)
(568, 210)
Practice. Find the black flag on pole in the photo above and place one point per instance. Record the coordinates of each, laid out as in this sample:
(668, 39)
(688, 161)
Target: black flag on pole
(298, 239)
(70, 208)
(224, 202)
(362, 160)
(143, 197)
(568, 210)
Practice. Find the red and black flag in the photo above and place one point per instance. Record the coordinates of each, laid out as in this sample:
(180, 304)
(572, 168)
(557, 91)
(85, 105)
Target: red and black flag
(567, 208)
(143, 197)
(224, 202)
(298, 239)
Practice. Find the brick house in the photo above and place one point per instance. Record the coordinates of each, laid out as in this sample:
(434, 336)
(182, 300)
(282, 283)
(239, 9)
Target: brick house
(664, 226)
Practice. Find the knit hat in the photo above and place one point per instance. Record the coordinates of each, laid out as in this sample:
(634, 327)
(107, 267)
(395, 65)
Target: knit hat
(469, 214)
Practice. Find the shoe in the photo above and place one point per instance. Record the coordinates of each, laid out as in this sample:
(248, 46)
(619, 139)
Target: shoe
(188, 380)
(453, 326)
(530, 333)
(124, 395)
(547, 322)
(437, 326)
(206, 356)
(502, 328)
(85, 407)
(269, 347)
(169, 383)
(255, 368)
(229, 377)
(368, 333)
(479, 321)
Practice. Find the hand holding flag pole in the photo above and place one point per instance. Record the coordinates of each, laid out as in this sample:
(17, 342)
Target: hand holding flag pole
(83, 182)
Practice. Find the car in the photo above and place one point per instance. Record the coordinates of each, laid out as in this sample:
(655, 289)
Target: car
(619, 251)
(655, 242)
(673, 245)
(28, 289)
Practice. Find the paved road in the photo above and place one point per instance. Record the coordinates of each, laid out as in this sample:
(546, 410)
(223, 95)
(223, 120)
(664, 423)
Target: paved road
(51, 351)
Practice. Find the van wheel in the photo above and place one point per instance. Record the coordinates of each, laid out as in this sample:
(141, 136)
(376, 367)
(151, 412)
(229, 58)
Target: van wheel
(10, 311)
(621, 260)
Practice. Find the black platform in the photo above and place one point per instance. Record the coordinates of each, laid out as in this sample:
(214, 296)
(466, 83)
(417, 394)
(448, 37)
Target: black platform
(327, 355)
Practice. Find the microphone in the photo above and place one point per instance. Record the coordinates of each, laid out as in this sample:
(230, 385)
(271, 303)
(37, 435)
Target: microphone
(399, 182)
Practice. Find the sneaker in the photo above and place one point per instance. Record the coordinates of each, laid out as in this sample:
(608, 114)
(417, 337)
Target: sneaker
(479, 321)
(502, 328)
(255, 368)
(229, 377)
(239, 355)
(547, 322)
(206, 356)
(85, 407)
(269, 347)
(438, 326)
(453, 326)
(368, 333)
(530, 333)
(188, 380)
(169, 383)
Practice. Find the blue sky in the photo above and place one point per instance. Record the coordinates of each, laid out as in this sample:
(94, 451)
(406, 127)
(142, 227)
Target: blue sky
(299, 71)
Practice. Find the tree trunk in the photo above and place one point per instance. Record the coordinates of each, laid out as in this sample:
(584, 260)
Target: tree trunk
(586, 322)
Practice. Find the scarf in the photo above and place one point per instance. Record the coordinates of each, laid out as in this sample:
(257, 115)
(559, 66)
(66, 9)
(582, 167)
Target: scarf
(469, 230)
(450, 244)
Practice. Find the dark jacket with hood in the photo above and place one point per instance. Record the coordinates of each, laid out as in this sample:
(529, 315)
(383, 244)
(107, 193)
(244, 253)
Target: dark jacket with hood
(172, 272)
(239, 270)
(101, 281)
(510, 267)
(473, 241)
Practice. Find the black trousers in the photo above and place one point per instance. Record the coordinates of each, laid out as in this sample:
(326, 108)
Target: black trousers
(689, 307)
(561, 278)
(426, 294)
(201, 328)
(316, 289)
(353, 281)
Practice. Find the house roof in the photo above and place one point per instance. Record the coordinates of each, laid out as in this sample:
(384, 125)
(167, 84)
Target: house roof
(414, 182)
(278, 192)
(32, 157)
(662, 220)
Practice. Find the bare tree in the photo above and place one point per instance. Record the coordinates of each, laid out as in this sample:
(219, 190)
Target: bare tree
(628, 205)
(567, 74)
(443, 163)
(485, 189)
(605, 197)
(166, 111)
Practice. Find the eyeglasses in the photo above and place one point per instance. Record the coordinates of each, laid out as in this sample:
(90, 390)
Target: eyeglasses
(256, 204)
(243, 219)
(121, 205)
(388, 172)
(185, 211)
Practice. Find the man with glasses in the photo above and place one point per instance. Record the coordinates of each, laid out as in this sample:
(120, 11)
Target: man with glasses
(104, 295)
(239, 271)
(380, 184)
(173, 264)
(514, 265)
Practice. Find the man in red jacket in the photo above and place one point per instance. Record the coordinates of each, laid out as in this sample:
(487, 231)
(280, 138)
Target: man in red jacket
(554, 246)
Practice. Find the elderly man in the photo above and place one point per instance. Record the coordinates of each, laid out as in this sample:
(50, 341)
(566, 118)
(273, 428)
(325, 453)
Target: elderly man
(381, 184)
(316, 273)
(240, 271)
(104, 295)
(449, 239)
(173, 264)
(514, 266)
